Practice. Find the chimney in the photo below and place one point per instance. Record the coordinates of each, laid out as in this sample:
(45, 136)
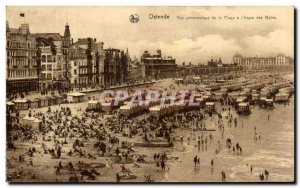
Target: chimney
(24, 29)
(159, 52)
(7, 26)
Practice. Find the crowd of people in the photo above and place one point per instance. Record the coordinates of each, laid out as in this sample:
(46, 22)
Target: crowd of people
(72, 136)
(64, 126)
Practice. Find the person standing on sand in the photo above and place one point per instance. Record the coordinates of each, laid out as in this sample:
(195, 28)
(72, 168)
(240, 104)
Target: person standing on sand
(118, 178)
(235, 122)
(251, 169)
(223, 176)
(195, 160)
(198, 161)
(268, 116)
(242, 123)
(266, 174)
(262, 177)
(157, 166)
(212, 166)
(163, 165)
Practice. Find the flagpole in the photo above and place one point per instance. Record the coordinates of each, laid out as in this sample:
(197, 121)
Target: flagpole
(23, 15)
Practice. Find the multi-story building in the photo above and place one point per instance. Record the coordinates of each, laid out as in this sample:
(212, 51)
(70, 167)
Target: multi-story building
(53, 59)
(115, 66)
(22, 67)
(86, 63)
(262, 62)
(53, 66)
(136, 71)
(215, 63)
(156, 65)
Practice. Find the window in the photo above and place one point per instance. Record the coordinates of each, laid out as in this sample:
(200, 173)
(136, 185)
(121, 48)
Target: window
(43, 67)
(49, 58)
(49, 67)
(75, 71)
(43, 58)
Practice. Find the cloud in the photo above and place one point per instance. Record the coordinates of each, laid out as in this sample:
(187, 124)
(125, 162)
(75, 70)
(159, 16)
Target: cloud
(201, 49)
(198, 50)
(193, 41)
(279, 41)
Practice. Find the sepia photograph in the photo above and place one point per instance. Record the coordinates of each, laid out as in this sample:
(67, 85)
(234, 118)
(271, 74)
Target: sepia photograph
(161, 94)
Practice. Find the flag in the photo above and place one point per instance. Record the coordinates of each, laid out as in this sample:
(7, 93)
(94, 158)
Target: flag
(22, 14)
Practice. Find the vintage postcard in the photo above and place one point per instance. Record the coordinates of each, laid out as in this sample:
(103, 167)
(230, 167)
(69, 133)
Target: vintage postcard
(150, 94)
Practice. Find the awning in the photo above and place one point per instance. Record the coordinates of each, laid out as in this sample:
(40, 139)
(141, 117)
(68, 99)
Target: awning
(20, 101)
(77, 94)
(9, 103)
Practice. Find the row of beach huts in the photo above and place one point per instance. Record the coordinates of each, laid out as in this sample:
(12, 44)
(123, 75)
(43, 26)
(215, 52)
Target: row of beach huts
(44, 101)
(241, 93)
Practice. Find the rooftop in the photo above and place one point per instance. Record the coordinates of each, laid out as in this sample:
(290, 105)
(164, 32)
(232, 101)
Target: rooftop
(53, 36)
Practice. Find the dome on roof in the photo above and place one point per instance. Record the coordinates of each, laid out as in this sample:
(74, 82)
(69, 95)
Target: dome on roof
(280, 54)
(237, 55)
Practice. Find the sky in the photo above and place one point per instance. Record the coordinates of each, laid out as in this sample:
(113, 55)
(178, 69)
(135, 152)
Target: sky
(187, 40)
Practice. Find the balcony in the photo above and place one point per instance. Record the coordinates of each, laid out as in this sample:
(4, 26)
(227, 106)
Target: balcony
(19, 56)
(83, 66)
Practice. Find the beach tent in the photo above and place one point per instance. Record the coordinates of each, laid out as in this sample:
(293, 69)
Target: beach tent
(36, 124)
(21, 104)
(75, 97)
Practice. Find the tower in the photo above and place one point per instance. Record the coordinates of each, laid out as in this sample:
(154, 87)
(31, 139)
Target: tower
(66, 44)
(67, 36)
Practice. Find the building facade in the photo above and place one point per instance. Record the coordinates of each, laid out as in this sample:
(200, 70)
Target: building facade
(22, 66)
(86, 63)
(156, 66)
(262, 62)
(215, 63)
(115, 66)
(136, 72)
(53, 60)
(52, 65)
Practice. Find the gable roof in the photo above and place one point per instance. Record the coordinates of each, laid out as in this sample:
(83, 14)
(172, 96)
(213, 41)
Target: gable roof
(47, 42)
(83, 41)
(54, 36)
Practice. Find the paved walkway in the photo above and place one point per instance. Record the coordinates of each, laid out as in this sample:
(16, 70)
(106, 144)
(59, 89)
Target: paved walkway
(37, 94)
